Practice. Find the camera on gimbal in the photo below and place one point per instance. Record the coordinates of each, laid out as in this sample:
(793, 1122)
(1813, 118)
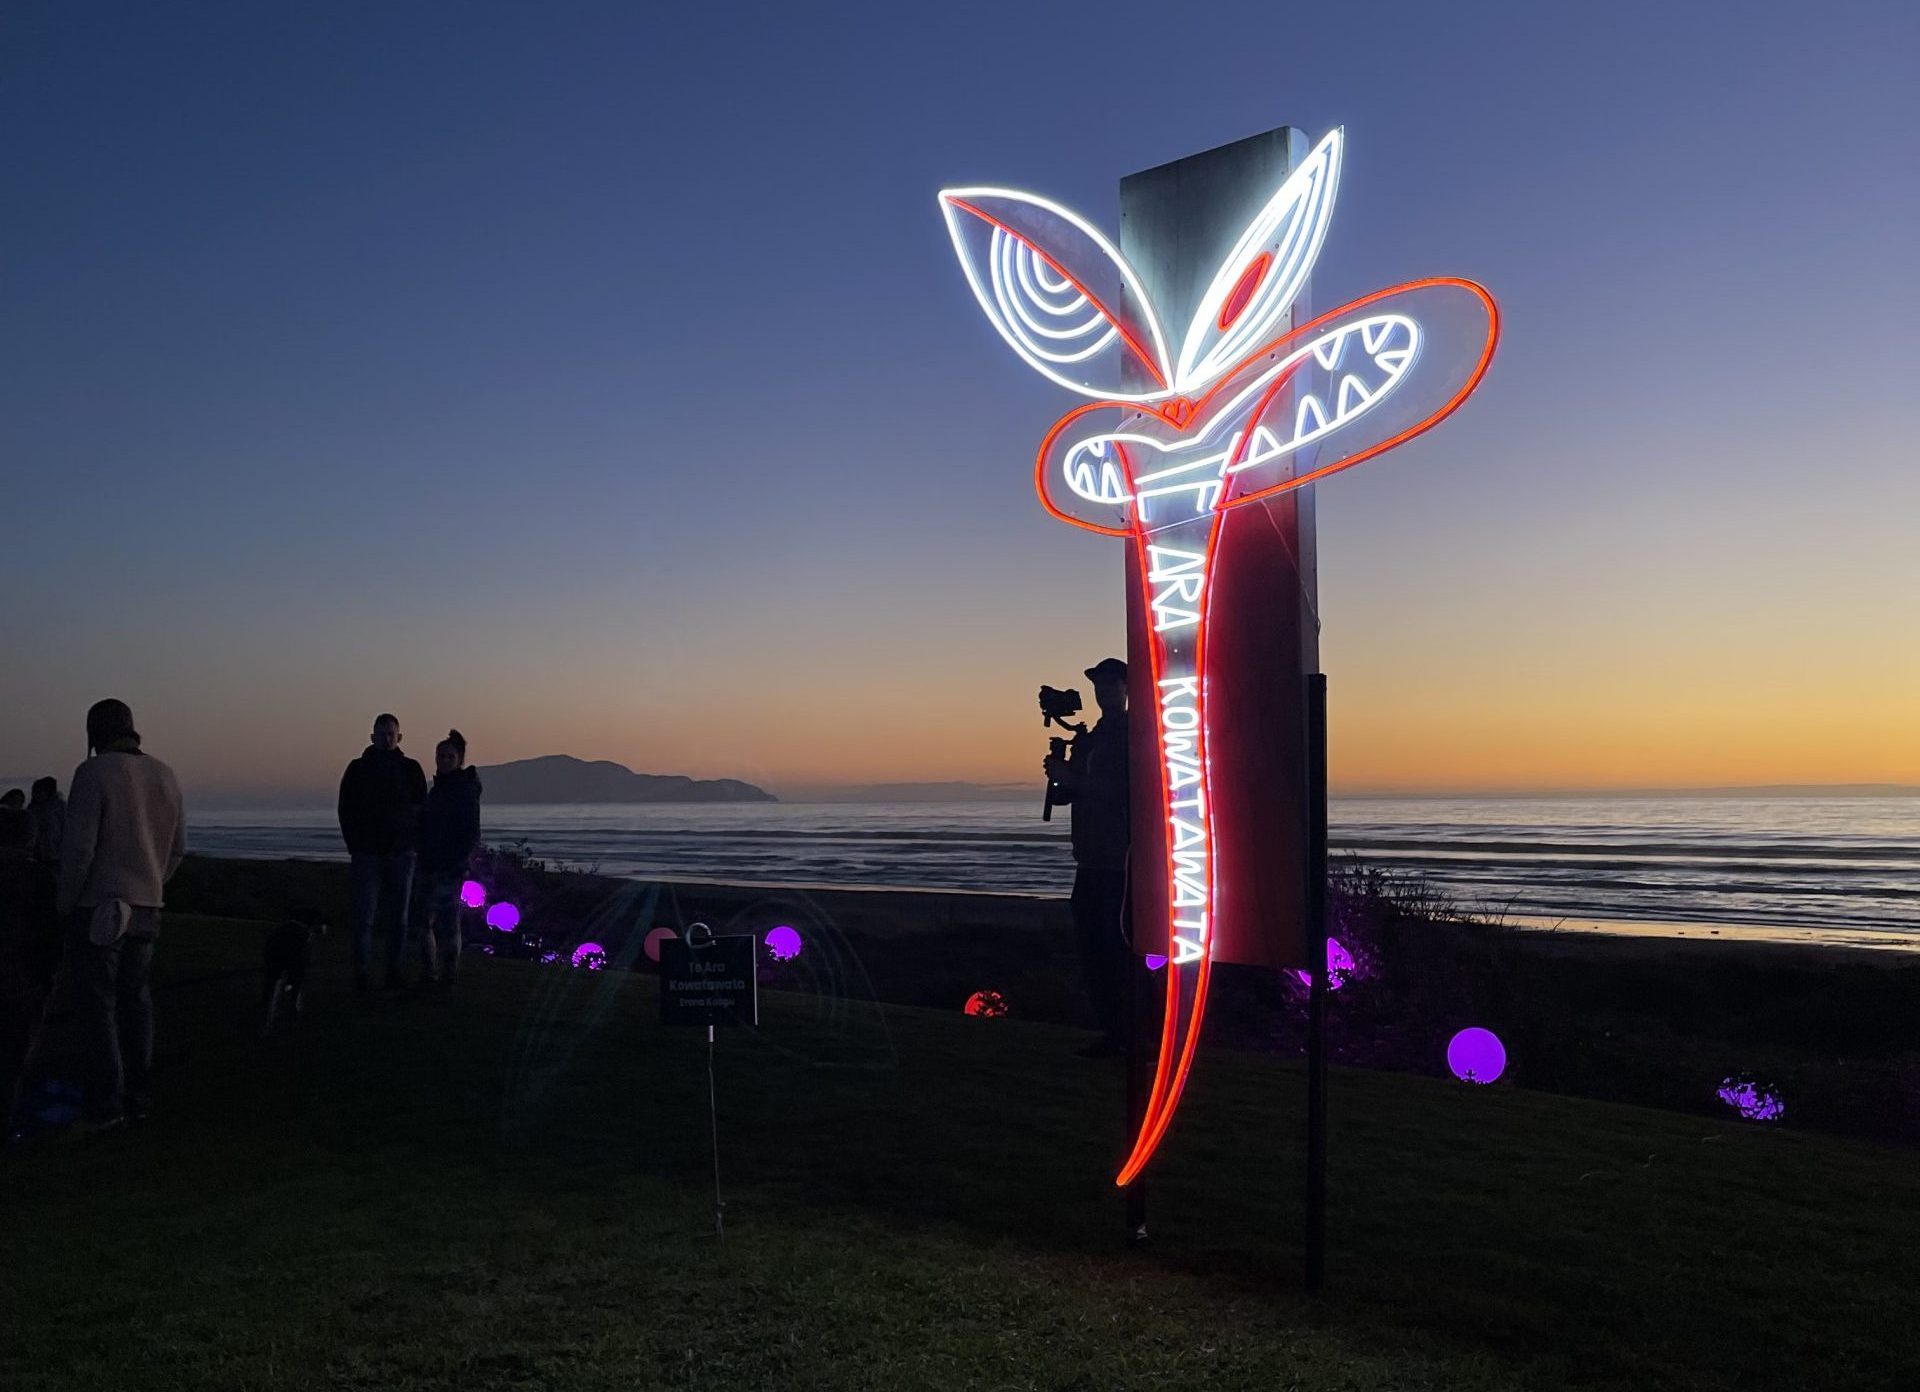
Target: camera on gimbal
(1055, 707)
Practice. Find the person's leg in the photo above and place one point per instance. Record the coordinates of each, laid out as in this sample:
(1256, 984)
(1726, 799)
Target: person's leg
(396, 892)
(364, 879)
(135, 999)
(1110, 956)
(451, 943)
(1095, 922)
(429, 929)
(97, 996)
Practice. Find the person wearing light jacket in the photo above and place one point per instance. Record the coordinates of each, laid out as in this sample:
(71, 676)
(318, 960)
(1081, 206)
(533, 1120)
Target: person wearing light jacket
(126, 833)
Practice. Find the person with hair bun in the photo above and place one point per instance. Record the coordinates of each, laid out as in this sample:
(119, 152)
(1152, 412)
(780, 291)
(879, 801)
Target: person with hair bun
(449, 834)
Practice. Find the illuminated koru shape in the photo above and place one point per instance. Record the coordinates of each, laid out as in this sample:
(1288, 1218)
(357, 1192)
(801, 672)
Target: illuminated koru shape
(1252, 407)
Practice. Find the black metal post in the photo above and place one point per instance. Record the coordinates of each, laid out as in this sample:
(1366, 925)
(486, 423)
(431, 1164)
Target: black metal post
(1137, 1072)
(1317, 981)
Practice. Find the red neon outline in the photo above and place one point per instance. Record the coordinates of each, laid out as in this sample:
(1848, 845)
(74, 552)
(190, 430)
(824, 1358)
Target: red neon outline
(1164, 1096)
(1170, 1076)
(1152, 363)
(1198, 406)
(1241, 295)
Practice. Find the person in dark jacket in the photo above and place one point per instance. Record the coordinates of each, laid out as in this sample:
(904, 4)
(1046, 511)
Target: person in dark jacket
(449, 832)
(49, 815)
(1092, 778)
(381, 795)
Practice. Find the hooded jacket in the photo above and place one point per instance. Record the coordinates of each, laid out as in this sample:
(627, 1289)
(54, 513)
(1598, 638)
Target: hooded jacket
(381, 795)
(451, 827)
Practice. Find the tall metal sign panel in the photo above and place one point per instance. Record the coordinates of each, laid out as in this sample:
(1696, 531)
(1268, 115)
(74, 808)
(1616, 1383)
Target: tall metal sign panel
(1177, 223)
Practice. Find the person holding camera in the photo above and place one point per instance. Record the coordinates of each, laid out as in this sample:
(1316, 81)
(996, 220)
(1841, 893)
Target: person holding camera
(1091, 777)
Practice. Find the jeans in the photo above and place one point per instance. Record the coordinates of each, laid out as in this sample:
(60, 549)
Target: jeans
(1102, 922)
(441, 933)
(381, 885)
(112, 993)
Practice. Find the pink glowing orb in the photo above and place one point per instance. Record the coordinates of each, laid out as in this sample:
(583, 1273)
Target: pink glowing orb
(590, 955)
(1155, 961)
(473, 894)
(1340, 967)
(1751, 1100)
(1476, 1055)
(784, 943)
(503, 916)
(654, 939)
(986, 1003)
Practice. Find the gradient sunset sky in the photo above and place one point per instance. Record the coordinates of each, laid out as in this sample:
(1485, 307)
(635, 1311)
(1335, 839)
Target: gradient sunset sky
(598, 378)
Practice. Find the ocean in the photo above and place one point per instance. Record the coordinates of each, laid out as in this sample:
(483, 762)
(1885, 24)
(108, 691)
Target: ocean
(1832, 870)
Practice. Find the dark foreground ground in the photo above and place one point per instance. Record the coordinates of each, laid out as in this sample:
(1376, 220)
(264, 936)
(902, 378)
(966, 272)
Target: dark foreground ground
(512, 1188)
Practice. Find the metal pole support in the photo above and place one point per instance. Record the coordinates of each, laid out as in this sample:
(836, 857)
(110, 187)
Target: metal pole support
(1316, 869)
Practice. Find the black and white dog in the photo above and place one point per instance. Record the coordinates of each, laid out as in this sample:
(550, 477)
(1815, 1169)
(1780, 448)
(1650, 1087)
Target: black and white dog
(284, 968)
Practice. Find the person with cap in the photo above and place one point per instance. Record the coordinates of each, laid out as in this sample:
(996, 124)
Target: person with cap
(1092, 779)
(125, 835)
(382, 794)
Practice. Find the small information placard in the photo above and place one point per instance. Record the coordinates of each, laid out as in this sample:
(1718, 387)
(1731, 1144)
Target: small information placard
(710, 982)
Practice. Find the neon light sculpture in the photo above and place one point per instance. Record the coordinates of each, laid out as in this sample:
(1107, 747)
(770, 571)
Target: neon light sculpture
(503, 917)
(1250, 407)
(784, 942)
(590, 955)
(473, 894)
(1476, 1056)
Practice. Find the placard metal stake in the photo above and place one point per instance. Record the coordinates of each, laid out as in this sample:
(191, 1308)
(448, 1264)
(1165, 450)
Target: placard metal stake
(1317, 981)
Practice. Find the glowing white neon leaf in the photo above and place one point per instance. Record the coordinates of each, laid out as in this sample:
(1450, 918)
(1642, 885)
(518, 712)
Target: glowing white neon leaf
(1059, 293)
(1258, 280)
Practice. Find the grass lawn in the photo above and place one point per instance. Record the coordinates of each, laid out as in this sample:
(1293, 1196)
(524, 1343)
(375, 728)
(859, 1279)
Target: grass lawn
(512, 1188)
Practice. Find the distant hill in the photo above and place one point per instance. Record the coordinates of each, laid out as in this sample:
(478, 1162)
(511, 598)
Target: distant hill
(563, 778)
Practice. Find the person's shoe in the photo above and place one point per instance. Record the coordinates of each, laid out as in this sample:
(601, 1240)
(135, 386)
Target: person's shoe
(1103, 1047)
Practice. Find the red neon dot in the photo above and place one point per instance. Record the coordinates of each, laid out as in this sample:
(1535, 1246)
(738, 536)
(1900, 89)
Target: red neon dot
(1243, 288)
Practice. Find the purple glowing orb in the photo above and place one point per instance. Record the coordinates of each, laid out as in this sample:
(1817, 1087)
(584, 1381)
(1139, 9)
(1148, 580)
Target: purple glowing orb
(1751, 1100)
(784, 943)
(503, 917)
(654, 939)
(473, 894)
(1476, 1055)
(590, 955)
(1155, 961)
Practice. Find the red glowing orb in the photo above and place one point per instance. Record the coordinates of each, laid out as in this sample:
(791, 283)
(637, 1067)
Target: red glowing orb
(988, 1003)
